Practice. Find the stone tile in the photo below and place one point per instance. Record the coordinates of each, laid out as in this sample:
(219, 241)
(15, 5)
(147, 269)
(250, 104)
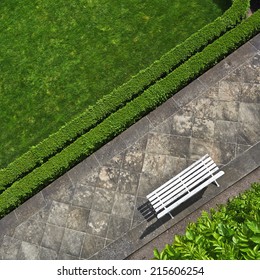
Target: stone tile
(83, 195)
(72, 242)
(109, 150)
(256, 41)
(254, 152)
(28, 251)
(117, 227)
(168, 145)
(116, 161)
(91, 245)
(220, 152)
(124, 205)
(30, 207)
(8, 224)
(52, 237)
(227, 110)
(163, 112)
(249, 123)
(229, 91)
(80, 173)
(103, 200)
(58, 213)
(130, 135)
(47, 254)
(203, 128)
(188, 93)
(60, 190)
(240, 149)
(108, 241)
(9, 248)
(134, 156)
(212, 92)
(204, 108)
(108, 178)
(78, 218)
(64, 256)
(226, 131)
(250, 93)
(98, 223)
(43, 215)
(143, 126)
(173, 166)
(128, 182)
(30, 231)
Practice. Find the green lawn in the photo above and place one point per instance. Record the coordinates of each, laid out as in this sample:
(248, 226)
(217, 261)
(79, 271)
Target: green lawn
(58, 57)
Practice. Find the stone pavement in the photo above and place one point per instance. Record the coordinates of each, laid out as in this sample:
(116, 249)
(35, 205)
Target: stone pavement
(93, 210)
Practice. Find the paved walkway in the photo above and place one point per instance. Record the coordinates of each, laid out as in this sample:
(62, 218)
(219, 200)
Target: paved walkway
(92, 210)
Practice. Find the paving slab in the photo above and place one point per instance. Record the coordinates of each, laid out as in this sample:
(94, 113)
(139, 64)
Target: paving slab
(98, 209)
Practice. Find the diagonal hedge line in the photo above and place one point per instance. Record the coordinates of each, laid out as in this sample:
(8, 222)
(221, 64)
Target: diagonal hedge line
(129, 114)
(110, 103)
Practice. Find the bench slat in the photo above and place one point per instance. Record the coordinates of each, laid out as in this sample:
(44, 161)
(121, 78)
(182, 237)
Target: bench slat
(203, 185)
(189, 170)
(167, 200)
(182, 183)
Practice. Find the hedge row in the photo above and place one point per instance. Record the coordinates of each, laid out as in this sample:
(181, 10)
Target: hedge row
(109, 104)
(129, 114)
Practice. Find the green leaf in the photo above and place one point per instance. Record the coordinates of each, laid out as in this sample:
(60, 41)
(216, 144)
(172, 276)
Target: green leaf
(189, 235)
(156, 254)
(255, 239)
(253, 226)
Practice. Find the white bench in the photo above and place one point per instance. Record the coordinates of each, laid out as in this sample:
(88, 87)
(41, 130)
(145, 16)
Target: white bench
(184, 185)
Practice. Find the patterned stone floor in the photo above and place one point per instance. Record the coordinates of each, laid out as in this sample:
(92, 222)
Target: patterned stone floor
(96, 202)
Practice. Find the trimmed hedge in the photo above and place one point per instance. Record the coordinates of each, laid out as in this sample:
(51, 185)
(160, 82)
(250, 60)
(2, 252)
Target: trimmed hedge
(129, 114)
(110, 103)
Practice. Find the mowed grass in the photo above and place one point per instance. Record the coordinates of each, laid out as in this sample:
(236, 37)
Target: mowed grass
(58, 57)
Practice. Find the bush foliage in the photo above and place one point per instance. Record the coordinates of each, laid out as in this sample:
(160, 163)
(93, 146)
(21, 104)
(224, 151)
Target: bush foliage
(230, 233)
(117, 99)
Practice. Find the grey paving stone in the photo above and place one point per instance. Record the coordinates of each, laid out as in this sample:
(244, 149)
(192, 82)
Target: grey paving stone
(108, 178)
(30, 231)
(250, 93)
(9, 248)
(116, 161)
(103, 200)
(143, 126)
(227, 110)
(226, 131)
(203, 108)
(72, 242)
(83, 195)
(168, 145)
(8, 224)
(134, 156)
(128, 182)
(91, 245)
(60, 190)
(117, 227)
(80, 173)
(30, 207)
(43, 215)
(47, 254)
(124, 205)
(240, 149)
(249, 120)
(98, 223)
(254, 152)
(256, 41)
(188, 93)
(58, 213)
(64, 256)
(28, 251)
(52, 237)
(163, 112)
(229, 91)
(203, 128)
(109, 150)
(77, 218)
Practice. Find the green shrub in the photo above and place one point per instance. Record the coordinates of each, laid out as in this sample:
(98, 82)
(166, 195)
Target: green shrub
(231, 233)
(109, 104)
(124, 117)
